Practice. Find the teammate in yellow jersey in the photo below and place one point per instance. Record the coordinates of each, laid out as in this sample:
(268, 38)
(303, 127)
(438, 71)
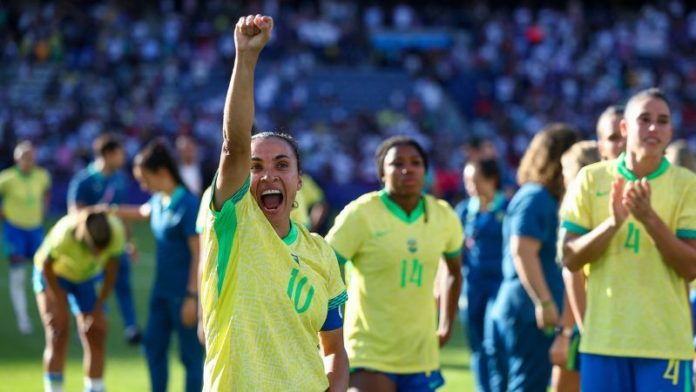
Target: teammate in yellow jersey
(24, 191)
(633, 220)
(395, 239)
(270, 291)
(67, 267)
(311, 206)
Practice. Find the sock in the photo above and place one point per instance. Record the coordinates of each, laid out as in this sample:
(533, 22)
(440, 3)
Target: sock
(94, 385)
(19, 297)
(53, 382)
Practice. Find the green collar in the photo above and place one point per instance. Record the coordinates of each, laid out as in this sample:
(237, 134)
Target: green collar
(292, 235)
(177, 195)
(398, 211)
(628, 174)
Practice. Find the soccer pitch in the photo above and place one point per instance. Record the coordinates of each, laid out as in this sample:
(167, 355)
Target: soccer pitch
(126, 370)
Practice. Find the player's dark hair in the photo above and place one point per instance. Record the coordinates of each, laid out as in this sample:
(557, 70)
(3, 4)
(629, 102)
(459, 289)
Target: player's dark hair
(490, 170)
(106, 143)
(157, 155)
(287, 139)
(394, 141)
(97, 229)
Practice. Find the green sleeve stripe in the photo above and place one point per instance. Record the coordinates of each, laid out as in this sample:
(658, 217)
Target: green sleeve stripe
(575, 229)
(687, 234)
(341, 260)
(453, 254)
(338, 300)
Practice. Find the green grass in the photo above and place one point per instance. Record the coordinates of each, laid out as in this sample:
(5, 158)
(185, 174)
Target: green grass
(126, 370)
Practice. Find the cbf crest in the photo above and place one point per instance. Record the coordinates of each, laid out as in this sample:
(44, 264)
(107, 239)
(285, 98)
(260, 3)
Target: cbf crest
(412, 245)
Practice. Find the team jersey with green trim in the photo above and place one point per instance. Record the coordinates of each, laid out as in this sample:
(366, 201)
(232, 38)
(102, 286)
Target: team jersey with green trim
(204, 210)
(264, 301)
(23, 196)
(391, 317)
(72, 259)
(637, 306)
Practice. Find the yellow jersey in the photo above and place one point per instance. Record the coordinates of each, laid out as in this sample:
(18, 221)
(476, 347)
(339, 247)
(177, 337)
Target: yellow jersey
(391, 317)
(637, 306)
(23, 196)
(264, 301)
(72, 259)
(306, 197)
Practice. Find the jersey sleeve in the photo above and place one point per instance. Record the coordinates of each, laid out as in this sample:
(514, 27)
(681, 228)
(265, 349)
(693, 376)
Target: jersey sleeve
(348, 232)
(76, 190)
(686, 222)
(576, 209)
(336, 288)
(453, 226)
(528, 218)
(4, 180)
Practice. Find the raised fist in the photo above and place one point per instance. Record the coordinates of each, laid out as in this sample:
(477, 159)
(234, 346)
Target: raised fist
(252, 32)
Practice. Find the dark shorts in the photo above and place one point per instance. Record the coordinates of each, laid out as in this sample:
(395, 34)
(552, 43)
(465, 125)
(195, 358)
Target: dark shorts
(81, 296)
(605, 373)
(412, 382)
(21, 243)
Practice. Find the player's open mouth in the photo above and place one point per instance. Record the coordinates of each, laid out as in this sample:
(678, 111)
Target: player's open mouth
(271, 200)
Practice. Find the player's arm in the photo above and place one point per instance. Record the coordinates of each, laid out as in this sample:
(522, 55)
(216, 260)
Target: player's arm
(335, 359)
(525, 256)
(581, 249)
(680, 254)
(189, 308)
(110, 272)
(451, 288)
(577, 297)
(54, 288)
(131, 213)
(250, 36)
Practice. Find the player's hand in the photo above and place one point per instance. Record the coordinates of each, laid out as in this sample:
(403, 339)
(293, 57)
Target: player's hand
(94, 322)
(132, 252)
(558, 353)
(189, 312)
(252, 32)
(443, 335)
(637, 200)
(618, 210)
(546, 315)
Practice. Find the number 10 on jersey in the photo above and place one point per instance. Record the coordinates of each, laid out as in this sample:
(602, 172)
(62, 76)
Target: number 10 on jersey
(411, 273)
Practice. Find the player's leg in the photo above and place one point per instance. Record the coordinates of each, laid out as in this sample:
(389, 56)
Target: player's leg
(18, 243)
(528, 350)
(156, 343)
(92, 327)
(124, 296)
(190, 349)
(365, 380)
(55, 318)
(496, 353)
(663, 375)
(477, 302)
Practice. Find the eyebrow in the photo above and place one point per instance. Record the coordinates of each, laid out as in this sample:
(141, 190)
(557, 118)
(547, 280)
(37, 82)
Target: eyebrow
(276, 158)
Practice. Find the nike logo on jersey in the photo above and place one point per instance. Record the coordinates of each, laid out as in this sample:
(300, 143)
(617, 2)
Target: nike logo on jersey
(602, 193)
(381, 233)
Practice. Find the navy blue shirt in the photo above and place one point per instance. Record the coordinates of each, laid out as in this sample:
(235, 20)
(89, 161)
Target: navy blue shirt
(172, 225)
(482, 253)
(89, 187)
(533, 212)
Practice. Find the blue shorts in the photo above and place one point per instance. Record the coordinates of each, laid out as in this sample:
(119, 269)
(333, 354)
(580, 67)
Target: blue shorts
(81, 296)
(604, 373)
(412, 382)
(21, 243)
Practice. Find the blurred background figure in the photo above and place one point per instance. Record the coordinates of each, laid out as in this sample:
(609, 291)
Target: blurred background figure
(519, 331)
(103, 182)
(189, 164)
(24, 191)
(312, 208)
(679, 153)
(610, 141)
(482, 255)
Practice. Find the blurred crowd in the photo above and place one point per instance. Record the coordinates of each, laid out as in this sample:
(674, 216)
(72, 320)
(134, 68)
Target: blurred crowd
(71, 71)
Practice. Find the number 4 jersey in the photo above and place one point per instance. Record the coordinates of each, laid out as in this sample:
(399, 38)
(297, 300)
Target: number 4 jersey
(264, 301)
(637, 306)
(391, 317)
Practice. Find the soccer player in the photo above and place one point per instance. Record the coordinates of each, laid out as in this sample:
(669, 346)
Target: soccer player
(563, 352)
(311, 207)
(25, 190)
(482, 217)
(519, 331)
(172, 211)
(610, 141)
(67, 266)
(633, 221)
(102, 182)
(395, 239)
(271, 292)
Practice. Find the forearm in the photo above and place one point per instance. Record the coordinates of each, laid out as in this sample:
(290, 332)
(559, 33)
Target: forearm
(589, 247)
(128, 213)
(51, 279)
(449, 301)
(567, 317)
(110, 272)
(575, 289)
(336, 369)
(238, 116)
(532, 278)
(675, 252)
